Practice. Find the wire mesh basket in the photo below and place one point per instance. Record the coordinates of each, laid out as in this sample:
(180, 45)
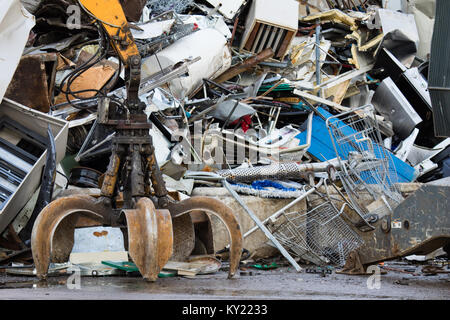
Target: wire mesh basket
(369, 166)
(320, 235)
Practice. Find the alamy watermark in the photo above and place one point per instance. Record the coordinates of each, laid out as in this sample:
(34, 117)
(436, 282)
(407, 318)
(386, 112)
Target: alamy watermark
(74, 280)
(74, 19)
(374, 281)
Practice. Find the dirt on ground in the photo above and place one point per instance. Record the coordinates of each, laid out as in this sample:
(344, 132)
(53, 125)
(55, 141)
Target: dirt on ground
(283, 283)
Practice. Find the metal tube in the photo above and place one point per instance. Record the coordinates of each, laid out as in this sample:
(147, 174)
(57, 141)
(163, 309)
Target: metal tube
(262, 227)
(230, 114)
(79, 156)
(85, 143)
(278, 170)
(318, 56)
(279, 212)
(245, 65)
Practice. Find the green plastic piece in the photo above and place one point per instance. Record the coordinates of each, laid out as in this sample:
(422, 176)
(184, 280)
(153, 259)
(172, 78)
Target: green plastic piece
(273, 265)
(131, 267)
(281, 87)
(122, 265)
(68, 163)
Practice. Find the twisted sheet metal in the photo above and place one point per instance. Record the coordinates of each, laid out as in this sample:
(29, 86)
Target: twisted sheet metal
(160, 6)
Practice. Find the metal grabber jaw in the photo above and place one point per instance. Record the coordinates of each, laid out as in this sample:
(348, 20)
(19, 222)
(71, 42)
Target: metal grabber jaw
(149, 230)
(133, 196)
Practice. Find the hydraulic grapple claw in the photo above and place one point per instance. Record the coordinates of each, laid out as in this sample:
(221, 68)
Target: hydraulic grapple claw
(150, 237)
(224, 213)
(52, 235)
(150, 233)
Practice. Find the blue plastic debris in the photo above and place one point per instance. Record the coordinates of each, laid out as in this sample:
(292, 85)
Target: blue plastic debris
(322, 147)
(263, 185)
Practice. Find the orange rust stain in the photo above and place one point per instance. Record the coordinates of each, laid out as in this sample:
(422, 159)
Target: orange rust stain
(100, 234)
(395, 249)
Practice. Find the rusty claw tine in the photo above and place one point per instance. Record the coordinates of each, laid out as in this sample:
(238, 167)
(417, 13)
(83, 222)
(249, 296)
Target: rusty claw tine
(224, 213)
(48, 221)
(150, 237)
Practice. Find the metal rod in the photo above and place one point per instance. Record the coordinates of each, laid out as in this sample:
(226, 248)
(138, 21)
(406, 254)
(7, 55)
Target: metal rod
(262, 227)
(290, 204)
(81, 155)
(230, 114)
(86, 141)
(318, 56)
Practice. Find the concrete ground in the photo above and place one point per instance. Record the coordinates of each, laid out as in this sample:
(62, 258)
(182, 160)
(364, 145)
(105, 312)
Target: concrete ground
(282, 283)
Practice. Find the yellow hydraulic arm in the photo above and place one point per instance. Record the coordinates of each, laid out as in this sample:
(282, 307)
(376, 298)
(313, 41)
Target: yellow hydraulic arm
(111, 15)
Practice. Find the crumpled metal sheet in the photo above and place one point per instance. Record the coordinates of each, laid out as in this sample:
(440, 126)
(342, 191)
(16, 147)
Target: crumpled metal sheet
(133, 8)
(15, 26)
(401, 36)
(207, 43)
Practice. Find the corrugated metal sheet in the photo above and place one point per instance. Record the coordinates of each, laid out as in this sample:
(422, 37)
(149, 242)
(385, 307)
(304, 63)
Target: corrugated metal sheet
(439, 72)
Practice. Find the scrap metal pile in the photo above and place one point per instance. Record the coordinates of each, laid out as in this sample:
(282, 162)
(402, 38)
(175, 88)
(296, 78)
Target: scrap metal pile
(335, 104)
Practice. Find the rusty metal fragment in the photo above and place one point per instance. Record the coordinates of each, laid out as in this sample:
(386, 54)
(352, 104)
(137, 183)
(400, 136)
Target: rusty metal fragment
(418, 225)
(245, 65)
(33, 82)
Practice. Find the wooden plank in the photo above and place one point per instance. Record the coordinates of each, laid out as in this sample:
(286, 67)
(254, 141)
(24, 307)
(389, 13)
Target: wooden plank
(251, 38)
(97, 257)
(332, 104)
(184, 268)
(338, 92)
(284, 45)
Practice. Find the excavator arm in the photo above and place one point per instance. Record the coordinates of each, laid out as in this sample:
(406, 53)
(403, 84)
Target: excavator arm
(150, 232)
(112, 17)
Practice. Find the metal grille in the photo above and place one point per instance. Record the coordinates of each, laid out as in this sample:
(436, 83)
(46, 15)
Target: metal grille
(183, 237)
(370, 167)
(439, 73)
(267, 36)
(320, 235)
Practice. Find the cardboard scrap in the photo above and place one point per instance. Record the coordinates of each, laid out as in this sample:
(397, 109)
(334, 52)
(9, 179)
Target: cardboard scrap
(93, 78)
